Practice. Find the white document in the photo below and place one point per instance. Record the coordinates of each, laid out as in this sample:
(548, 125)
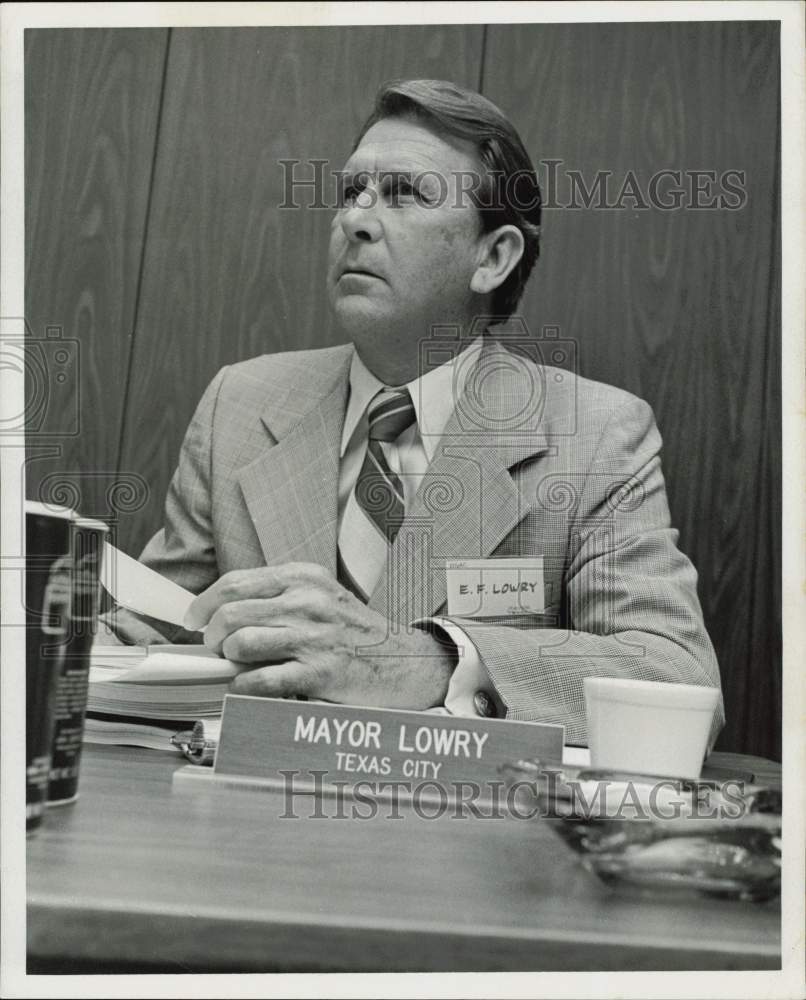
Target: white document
(162, 664)
(179, 668)
(140, 589)
(481, 588)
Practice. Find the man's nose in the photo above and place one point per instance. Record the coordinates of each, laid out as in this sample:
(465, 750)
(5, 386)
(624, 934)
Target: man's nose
(359, 219)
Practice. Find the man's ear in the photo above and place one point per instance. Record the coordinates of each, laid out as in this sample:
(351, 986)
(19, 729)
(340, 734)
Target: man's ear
(500, 252)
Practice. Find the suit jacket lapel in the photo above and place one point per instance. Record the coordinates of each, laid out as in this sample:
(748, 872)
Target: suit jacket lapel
(291, 489)
(468, 501)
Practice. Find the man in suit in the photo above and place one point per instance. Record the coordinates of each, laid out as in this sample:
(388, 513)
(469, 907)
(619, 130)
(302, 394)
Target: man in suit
(321, 496)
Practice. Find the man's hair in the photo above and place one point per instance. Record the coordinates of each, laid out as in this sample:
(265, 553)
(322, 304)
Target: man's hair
(509, 192)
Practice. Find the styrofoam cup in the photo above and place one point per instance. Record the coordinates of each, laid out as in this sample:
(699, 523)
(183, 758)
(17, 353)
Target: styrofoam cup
(648, 727)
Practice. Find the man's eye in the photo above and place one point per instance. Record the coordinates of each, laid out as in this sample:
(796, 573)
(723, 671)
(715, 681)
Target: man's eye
(402, 190)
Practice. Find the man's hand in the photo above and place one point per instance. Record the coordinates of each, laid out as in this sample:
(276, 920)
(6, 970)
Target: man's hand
(307, 635)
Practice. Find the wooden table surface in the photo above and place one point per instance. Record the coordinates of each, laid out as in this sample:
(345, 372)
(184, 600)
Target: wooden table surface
(140, 875)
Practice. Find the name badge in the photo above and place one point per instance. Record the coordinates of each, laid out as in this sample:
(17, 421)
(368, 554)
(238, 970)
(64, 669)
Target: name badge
(482, 588)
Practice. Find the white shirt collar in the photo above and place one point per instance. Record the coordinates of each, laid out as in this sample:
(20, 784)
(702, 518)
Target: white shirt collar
(434, 396)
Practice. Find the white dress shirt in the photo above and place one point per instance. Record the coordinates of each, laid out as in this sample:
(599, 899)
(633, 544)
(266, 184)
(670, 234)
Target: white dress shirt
(434, 395)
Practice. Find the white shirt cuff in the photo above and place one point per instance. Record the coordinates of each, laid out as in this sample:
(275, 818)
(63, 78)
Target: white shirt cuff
(471, 691)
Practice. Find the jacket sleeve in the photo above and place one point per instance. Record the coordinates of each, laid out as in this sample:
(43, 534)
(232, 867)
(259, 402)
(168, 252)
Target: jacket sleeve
(630, 593)
(183, 550)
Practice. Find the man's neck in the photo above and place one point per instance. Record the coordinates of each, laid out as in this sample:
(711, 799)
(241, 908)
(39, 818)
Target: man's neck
(395, 367)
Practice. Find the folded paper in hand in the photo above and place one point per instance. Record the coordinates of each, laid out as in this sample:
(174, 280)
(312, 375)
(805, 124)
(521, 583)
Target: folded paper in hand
(140, 589)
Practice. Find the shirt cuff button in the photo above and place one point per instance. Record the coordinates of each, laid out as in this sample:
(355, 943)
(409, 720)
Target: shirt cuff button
(484, 705)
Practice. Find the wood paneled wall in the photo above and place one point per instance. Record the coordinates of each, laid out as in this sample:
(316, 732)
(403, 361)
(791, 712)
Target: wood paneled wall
(92, 101)
(154, 239)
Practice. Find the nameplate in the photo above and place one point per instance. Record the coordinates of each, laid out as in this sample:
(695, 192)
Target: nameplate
(270, 739)
(485, 588)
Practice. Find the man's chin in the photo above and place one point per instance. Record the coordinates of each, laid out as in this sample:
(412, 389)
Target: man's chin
(358, 315)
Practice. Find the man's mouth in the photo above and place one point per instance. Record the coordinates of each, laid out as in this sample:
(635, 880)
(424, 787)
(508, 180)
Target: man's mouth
(361, 271)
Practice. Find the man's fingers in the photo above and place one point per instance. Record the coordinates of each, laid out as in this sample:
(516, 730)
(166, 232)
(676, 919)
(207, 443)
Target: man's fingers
(239, 585)
(257, 644)
(245, 584)
(280, 680)
(244, 614)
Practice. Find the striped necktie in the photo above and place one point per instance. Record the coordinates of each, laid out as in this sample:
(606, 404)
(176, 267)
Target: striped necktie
(376, 506)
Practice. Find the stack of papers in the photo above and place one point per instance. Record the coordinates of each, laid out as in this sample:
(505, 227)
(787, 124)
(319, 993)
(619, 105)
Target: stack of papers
(177, 683)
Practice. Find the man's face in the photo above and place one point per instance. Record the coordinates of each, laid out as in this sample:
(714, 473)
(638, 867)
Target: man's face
(405, 245)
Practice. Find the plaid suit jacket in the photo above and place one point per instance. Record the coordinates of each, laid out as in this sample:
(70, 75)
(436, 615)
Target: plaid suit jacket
(534, 461)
